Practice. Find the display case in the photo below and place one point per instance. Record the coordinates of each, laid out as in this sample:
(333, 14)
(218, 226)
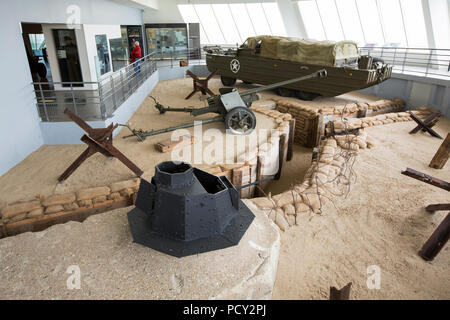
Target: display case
(119, 53)
(167, 41)
(103, 60)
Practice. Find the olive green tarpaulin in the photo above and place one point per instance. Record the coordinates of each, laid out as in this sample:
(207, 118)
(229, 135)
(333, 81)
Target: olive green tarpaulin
(324, 53)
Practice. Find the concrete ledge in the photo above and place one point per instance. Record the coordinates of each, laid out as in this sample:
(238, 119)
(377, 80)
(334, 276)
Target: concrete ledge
(113, 267)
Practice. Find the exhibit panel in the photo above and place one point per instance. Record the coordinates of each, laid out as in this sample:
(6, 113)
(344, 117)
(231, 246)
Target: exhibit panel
(167, 41)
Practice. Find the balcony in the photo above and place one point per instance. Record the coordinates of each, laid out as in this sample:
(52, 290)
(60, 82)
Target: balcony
(92, 101)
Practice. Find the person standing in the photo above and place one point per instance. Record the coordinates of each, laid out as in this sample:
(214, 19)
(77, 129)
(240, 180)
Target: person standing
(135, 56)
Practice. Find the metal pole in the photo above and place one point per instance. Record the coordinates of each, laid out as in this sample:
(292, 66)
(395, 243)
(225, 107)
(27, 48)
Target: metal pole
(73, 99)
(429, 61)
(121, 84)
(404, 60)
(395, 54)
(100, 97)
(113, 92)
(43, 101)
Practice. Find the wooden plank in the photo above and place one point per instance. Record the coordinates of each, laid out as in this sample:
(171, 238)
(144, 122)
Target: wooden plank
(427, 179)
(259, 167)
(283, 139)
(437, 240)
(42, 223)
(437, 207)
(290, 150)
(441, 157)
(237, 178)
(169, 145)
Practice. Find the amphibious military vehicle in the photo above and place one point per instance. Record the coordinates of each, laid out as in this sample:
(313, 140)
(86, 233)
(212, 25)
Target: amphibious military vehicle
(268, 59)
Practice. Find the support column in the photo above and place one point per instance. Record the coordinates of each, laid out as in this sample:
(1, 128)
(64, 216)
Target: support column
(292, 19)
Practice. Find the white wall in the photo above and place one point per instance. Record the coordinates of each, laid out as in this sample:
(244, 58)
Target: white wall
(20, 127)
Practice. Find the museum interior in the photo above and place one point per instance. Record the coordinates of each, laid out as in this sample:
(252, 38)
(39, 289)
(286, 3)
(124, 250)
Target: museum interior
(225, 149)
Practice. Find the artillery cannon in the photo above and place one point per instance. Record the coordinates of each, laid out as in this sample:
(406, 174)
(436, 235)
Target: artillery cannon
(230, 104)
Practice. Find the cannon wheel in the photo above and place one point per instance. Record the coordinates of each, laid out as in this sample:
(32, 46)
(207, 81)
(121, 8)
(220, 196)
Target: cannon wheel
(240, 121)
(227, 81)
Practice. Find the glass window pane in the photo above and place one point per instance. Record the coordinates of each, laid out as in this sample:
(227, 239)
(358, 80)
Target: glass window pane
(242, 19)
(274, 17)
(392, 22)
(350, 21)
(330, 20)
(370, 22)
(258, 18)
(209, 23)
(102, 54)
(414, 23)
(311, 19)
(227, 24)
(189, 15)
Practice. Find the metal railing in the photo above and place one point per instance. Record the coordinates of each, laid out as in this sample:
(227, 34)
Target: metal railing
(415, 61)
(92, 100)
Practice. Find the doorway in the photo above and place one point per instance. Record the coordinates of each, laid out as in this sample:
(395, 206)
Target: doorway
(67, 55)
(134, 33)
(36, 49)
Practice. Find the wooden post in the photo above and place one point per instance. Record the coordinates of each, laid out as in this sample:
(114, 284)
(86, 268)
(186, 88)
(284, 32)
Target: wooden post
(259, 167)
(280, 156)
(440, 158)
(437, 240)
(361, 113)
(290, 150)
(237, 179)
(343, 294)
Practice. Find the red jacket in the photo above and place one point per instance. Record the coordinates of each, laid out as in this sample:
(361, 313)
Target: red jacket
(135, 54)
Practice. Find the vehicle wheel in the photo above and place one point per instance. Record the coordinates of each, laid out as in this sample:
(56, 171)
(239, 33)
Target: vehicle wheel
(240, 121)
(227, 81)
(306, 96)
(285, 92)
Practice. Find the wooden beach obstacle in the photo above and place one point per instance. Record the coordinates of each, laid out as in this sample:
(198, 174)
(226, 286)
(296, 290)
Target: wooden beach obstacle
(98, 140)
(426, 124)
(440, 236)
(200, 84)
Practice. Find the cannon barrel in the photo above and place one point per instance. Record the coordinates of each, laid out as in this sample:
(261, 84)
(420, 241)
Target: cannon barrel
(322, 73)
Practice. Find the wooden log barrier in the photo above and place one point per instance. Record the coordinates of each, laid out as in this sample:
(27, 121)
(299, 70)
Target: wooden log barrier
(441, 157)
(437, 240)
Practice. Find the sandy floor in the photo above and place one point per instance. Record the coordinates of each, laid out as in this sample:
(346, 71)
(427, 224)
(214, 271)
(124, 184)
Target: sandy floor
(382, 222)
(38, 173)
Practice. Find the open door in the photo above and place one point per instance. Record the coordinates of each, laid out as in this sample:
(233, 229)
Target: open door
(68, 58)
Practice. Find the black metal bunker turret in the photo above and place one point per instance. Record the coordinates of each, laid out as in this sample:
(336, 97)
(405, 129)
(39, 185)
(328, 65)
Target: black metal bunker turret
(185, 211)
